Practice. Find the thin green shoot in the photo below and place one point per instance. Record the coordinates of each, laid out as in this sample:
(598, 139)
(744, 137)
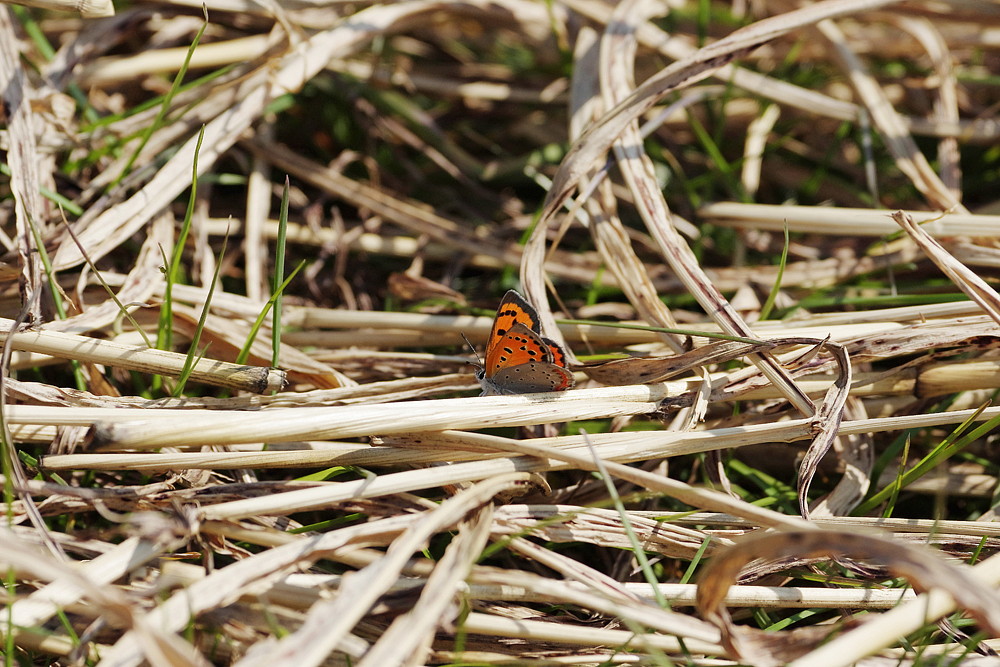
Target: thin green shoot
(326, 474)
(164, 107)
(977, 552)
(353, 517)
(37, 35)
(107, 288)
(675, 516)
(593, 291)
(190, 360)
(558, 34)
(194, 355)
(724, 169)
(67, 625)
(698, 556)
(278, 280)
(956, 440)
(7, 467)
(654, 655)
(762, 617)
(502, 542)
(802, 615)
(113, 144)
(51, 195)
(897, 484)
(772, 490)
(970, 645)
(57, 478)
(637, 550)
(157, 380)
(143, 105)
(765, 311)
(244, 354)
(273, 624)
(49, 273)
(165, 328)
(843, 298)
(704, 21)
(57, 294)
(34, 31)
(891, 453)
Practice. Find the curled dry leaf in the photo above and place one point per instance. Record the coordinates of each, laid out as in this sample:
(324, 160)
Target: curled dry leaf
(924, 569)
(645, 370)
(826, 421)
(411, 287)
(966, 280)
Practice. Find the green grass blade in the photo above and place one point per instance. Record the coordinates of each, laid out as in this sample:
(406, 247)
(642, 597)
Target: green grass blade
(278, 279)
(765, 311)
(107, 288)
(897, 484)
(165, 329)
(190, 360)
(164, 107)
(244, 354)
(50, 277)
(51, 195)
(956, 440)
(637, 550)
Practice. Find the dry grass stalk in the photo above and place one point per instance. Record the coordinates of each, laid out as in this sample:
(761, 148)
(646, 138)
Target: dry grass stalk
(143, 359)
(367, 515)
(847, 221)
(301, 591)
(86, 8)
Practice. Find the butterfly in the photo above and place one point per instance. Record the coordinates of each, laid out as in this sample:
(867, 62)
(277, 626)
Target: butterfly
(518, 359)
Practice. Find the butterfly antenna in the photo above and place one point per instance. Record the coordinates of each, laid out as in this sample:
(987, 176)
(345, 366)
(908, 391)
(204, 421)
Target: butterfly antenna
(469, 343)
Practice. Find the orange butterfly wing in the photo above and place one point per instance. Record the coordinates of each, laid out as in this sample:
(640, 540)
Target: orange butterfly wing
(558, 356)
(518, 359)
(504, 350)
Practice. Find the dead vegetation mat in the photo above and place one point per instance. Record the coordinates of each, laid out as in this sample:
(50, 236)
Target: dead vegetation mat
(785, 456)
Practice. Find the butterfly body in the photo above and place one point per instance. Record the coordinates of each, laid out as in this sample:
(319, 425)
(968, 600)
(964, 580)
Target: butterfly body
(519, 360)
